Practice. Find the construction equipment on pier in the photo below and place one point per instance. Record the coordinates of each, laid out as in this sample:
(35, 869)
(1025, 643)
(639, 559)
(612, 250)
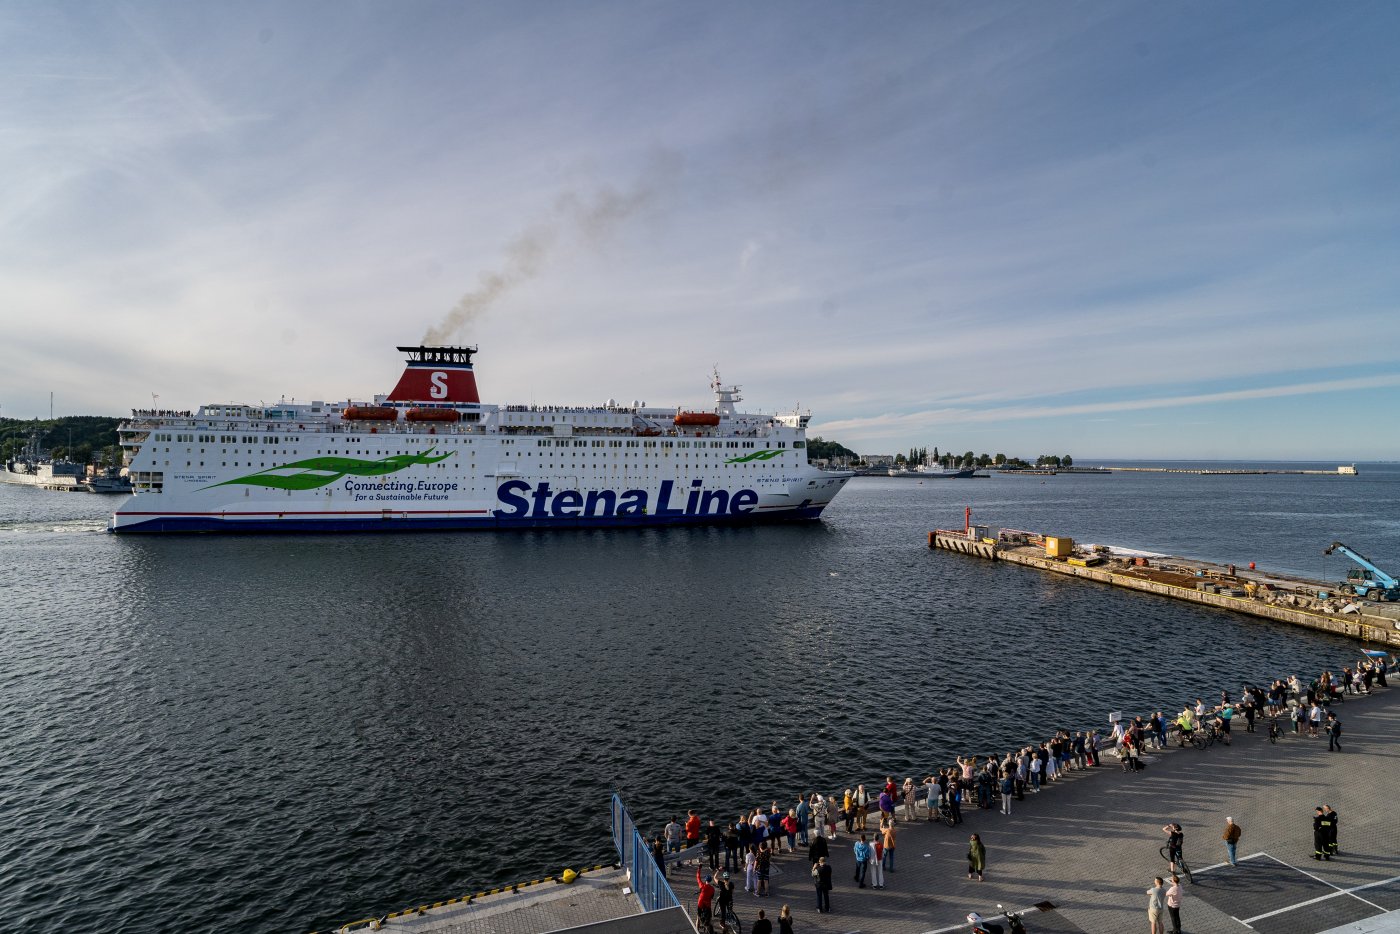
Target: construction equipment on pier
(1376, 585)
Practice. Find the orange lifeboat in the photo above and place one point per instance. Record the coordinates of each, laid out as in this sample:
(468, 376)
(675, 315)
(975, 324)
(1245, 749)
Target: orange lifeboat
(433, 415)
(370, 413)
(709, 419)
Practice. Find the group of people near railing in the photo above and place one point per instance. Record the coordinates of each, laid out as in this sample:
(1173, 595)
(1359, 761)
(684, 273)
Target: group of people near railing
(752, 843)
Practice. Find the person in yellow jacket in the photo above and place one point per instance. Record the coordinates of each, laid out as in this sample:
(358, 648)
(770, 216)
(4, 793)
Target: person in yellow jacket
(1186, 723)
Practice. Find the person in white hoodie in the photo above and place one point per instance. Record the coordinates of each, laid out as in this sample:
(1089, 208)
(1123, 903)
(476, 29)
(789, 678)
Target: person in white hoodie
(876, 863)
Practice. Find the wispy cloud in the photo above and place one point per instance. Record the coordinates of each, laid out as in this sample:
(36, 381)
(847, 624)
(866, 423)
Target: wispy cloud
(1019, 220)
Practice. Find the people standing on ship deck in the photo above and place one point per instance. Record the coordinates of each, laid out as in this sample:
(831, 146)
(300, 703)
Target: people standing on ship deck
(1331, 815)
(817, 848)
(862, 799)
(848, 810)
(803, 813)
(877, 869)
(889, 841)
(784, 921)
(714, 838)
(911, 797)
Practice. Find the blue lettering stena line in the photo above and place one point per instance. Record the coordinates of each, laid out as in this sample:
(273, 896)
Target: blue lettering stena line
(519, 500)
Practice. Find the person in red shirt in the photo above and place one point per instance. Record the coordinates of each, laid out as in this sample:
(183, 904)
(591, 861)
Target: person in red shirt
(705, 900)
(692, 830)
(790, 826)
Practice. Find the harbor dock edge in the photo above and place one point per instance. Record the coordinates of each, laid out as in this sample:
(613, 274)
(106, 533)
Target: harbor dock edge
(1278, 597)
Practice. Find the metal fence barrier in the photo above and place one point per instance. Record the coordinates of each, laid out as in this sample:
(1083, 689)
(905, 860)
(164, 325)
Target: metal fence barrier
(649, 882)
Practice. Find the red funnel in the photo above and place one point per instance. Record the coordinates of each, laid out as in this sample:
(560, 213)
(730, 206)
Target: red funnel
(437, 374)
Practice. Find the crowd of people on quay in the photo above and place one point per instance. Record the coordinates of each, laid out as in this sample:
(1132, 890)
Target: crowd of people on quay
(742, 853)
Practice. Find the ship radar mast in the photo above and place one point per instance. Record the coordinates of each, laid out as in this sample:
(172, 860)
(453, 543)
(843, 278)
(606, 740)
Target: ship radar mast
(725, 396)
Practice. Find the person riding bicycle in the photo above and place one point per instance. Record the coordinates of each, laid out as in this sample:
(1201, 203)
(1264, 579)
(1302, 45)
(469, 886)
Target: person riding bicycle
(705, 900)
(1226, 714)
(1186, 723)
(1176, 839)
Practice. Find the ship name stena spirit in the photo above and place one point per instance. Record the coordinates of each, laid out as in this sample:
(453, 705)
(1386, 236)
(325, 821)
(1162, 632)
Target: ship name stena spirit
(430, 455)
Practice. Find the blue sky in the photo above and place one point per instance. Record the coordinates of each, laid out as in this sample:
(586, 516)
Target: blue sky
(1111, 229)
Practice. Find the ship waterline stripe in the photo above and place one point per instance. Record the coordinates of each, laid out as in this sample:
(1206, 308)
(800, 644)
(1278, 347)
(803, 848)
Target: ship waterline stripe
(318, 512)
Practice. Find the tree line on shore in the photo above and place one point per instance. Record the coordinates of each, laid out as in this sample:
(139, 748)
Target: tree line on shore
(820, 449)
(84, 439)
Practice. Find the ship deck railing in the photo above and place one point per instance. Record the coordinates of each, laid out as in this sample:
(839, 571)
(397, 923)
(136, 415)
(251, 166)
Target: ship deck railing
(433, 428)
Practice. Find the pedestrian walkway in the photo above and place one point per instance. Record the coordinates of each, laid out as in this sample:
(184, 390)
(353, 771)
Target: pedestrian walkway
(1088, 845)
(1078, 857)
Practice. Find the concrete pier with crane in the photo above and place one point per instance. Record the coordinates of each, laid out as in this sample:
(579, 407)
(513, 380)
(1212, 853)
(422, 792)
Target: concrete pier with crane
(1322, 605)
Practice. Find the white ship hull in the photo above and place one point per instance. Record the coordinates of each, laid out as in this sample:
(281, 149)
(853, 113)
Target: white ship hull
(314, 468)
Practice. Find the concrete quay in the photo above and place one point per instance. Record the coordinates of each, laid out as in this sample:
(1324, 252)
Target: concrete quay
(1285, 599)
(1087, 845)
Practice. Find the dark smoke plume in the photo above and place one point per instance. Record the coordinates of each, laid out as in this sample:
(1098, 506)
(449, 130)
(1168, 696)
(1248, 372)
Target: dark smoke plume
(588, 219)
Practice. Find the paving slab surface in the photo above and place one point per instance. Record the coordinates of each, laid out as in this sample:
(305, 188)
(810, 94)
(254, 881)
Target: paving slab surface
(594, 897)
(1089, 845)
(1086, 848)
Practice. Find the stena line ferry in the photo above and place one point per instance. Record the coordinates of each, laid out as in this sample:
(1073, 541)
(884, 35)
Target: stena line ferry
(430, 455)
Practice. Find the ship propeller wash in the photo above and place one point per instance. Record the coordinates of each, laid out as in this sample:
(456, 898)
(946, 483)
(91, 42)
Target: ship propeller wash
(430, 455)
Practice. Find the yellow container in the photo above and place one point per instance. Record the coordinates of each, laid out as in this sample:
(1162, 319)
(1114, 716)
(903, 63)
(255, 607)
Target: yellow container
(1058, 547)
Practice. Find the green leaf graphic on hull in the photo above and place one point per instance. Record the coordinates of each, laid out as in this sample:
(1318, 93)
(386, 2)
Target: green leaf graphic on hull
(755, 456)
(318, 471)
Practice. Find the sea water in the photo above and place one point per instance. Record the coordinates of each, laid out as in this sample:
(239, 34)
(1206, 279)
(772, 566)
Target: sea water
(284, 733)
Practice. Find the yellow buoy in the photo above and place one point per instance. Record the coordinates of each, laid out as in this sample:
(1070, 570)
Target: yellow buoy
(569, 875)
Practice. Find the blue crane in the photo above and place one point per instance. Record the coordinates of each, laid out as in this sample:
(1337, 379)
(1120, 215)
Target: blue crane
(1368, 580)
